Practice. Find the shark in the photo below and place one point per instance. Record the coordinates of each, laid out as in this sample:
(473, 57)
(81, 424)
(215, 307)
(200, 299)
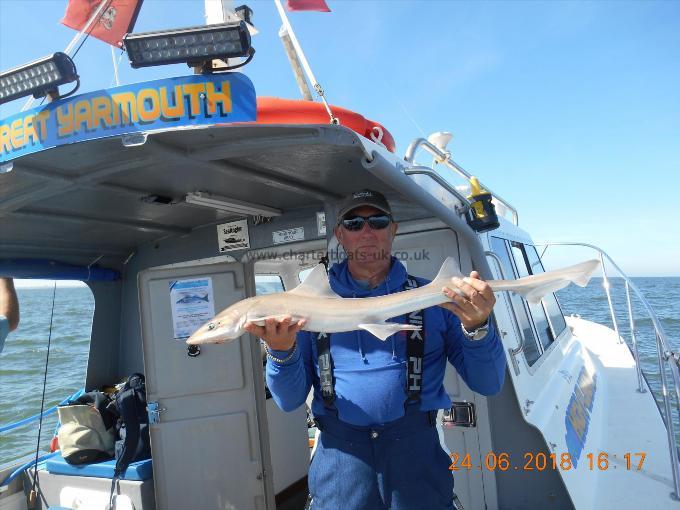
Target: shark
(325, 311)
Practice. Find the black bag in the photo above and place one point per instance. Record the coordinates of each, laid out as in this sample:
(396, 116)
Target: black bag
(133, 424)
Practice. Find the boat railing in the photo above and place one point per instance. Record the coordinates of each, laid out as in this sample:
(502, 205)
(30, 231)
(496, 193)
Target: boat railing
(35, 417)
(444, 157)
(665, 356)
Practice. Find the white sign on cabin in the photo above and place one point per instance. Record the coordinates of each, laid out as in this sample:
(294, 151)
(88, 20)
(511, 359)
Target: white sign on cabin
(289, 235)
(233, 236)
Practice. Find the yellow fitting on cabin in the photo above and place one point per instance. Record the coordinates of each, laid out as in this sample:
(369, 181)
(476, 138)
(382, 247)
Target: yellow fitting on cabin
(475, 192)
(475, 187)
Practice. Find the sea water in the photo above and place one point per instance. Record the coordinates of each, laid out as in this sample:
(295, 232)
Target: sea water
(22, 363)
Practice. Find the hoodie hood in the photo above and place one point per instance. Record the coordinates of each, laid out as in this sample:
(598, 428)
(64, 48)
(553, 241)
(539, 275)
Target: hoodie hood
(344, 285)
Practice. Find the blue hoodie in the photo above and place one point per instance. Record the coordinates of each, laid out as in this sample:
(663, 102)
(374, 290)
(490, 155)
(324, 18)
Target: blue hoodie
(370, 375)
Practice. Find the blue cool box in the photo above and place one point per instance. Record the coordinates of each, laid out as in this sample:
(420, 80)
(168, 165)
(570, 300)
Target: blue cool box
(140, 470)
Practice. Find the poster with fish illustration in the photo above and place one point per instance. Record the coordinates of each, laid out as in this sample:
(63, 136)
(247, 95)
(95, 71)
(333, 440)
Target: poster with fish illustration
(192, 305)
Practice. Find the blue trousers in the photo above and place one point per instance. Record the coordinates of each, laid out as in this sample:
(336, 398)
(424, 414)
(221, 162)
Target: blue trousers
(398, 466)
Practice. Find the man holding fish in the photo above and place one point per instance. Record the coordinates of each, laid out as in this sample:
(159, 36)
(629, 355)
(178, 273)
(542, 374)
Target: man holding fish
(375, 400)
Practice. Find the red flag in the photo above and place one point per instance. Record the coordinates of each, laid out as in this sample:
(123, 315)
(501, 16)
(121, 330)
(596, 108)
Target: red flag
(307, 5)
(114, 21)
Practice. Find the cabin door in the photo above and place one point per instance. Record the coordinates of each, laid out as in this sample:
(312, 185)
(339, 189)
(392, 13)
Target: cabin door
(209, 444)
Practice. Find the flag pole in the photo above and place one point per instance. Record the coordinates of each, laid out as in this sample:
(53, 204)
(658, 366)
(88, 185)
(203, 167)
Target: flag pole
(303, 60)
(295, 65)
(73, 42)
(115, 66)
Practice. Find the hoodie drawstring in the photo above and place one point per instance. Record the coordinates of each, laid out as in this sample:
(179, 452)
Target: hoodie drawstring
(343, 284)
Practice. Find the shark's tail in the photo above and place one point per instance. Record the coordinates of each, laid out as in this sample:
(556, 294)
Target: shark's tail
(533, 288)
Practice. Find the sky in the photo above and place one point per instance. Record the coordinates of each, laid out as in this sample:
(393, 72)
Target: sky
(568, 110)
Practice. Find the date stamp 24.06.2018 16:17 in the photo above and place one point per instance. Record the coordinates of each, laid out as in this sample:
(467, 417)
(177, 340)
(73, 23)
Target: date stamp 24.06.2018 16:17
(539, 461)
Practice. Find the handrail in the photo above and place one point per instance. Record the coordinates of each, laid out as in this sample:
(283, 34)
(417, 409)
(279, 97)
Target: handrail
(445, 157)
(435, 176)
(641, 386)
(664, 354)
(609, 297)
(36, 416)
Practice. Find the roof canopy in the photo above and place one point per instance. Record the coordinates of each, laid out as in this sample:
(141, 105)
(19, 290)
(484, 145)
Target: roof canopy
(76, 203)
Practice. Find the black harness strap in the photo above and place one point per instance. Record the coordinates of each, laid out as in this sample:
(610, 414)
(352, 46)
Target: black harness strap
(323, 345)
(415, 350)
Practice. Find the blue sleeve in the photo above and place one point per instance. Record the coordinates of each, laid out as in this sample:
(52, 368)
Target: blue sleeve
(290, 382)
(481, 363)
(4, 330)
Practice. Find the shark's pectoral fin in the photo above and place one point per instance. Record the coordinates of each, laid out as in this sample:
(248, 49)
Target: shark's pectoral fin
(386, 329)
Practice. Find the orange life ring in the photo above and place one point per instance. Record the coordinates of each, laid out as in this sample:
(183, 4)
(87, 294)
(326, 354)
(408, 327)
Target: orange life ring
(274, 110)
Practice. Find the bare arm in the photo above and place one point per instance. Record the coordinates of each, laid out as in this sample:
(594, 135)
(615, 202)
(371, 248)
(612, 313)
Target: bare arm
(9, 304)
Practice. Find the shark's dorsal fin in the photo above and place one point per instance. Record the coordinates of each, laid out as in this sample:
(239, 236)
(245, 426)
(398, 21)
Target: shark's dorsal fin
(449, 269)
(316, 284)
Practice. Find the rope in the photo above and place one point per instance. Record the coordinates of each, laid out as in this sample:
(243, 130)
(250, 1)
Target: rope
(93, 24)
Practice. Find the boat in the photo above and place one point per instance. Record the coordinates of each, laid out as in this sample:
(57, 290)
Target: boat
(133, 190)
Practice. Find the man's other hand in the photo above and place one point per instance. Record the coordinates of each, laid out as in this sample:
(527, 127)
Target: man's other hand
(279, 334)
(475, 304)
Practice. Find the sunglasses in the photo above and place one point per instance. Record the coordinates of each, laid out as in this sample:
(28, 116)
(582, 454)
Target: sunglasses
(376, 222)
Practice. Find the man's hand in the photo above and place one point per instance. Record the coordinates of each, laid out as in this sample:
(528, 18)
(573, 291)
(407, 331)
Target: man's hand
(279, 334)
(475, 305)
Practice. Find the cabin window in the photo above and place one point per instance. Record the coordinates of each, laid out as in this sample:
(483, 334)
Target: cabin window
(550, 303)
(22, 361)
(529, 345)
(268, 284)
(543, 329)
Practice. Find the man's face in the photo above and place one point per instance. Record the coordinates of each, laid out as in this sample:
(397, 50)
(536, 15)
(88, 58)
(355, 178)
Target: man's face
(366, 245)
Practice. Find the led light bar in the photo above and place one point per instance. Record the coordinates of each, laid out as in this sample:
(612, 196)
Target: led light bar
(230, 205)
(193, 45)
(37, 78)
